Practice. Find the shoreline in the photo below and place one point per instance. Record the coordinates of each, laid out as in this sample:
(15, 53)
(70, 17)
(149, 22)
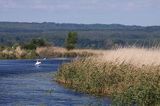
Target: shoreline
(124, 83)
(68, 85)
(44, 52)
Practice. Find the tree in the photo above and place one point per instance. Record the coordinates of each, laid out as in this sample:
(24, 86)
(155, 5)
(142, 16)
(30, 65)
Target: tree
(71, 40)
(38, 42)
(34, 43)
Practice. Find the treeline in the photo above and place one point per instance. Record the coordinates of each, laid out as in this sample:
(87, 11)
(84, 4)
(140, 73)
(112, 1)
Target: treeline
(89, 35)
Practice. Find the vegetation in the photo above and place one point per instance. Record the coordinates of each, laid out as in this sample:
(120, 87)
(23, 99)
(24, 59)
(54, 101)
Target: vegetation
(25, 51)
(99, 36)
(35, 43)
(39, 48)
(18, 52)
(71, 40)
(62, 52)
(124, 82)
(128, 76)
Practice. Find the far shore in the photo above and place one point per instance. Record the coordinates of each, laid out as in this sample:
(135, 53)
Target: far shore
(44, 52)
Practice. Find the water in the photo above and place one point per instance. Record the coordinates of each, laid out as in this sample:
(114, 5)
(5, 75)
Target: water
(23, 84)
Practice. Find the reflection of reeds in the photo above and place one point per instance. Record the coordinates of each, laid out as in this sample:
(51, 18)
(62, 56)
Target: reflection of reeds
(50, 91)
(122, 80)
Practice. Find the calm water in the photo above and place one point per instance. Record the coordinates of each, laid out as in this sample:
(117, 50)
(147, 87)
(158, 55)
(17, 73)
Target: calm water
(23, 84)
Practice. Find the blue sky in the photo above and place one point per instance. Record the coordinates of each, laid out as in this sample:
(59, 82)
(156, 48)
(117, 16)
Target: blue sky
(129, 12)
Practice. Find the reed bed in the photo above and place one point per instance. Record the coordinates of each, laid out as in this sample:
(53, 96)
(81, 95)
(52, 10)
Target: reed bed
(62, 52)
(17, 53)
(135, 56)
(40, 52)
(118, 76)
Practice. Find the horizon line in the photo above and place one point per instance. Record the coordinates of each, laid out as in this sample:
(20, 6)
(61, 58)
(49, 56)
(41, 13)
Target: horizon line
(78, 23)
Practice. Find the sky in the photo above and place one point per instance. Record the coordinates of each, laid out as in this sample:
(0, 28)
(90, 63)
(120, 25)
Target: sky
(128, 12)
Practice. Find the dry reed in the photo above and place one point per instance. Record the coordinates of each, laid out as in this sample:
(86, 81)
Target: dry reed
(128, 75)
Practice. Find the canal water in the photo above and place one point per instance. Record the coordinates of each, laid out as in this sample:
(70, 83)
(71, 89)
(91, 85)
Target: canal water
(24, 84)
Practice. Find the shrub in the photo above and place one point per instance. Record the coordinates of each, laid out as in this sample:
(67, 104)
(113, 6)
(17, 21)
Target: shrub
(71, 40)
(34, 43)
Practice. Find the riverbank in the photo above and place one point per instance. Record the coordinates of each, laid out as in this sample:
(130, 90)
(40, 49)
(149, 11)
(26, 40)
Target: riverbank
(50, 52)
(43, 52)
(128, 76)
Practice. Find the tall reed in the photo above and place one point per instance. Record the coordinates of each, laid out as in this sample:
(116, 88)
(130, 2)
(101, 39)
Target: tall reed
(124, 82)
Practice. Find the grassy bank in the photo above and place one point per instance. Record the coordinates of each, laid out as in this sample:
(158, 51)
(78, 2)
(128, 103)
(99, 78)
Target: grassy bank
(123, 81)
(62, 52)
(17, 53)
(41, 52)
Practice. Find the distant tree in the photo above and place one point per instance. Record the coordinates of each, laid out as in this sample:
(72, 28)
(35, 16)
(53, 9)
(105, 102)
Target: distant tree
(38, 42)
(71, 40)
(35, 43)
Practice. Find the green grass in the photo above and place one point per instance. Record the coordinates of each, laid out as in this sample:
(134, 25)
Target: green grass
(124, 83)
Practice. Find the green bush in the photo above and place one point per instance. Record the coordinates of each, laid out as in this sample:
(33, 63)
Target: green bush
(34, 43)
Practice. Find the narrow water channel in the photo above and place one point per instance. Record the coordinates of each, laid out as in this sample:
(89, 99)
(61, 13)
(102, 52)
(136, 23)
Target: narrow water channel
(23, 84)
